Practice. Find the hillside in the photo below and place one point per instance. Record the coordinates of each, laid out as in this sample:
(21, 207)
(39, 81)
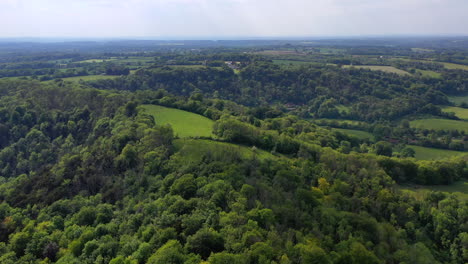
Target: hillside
(244, 152)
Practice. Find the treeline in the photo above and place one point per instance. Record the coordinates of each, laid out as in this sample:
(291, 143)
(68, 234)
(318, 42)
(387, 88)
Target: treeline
(316, 92)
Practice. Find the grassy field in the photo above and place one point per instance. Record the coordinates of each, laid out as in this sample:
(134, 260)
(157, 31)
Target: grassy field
(453, 66)
(356, 133)
(458, 99)
(90, 78)
(421, 50)
(440, 124)
(95, 60)
(340, 121)
(430, 74)
(193, 149)
(447, 65)
(389, 69)
(459, 112)
(423, 153)
(185, 124)
(460, 189)
(293, 62)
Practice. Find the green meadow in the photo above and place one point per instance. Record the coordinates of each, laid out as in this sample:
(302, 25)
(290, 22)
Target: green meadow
(461, 113)
(440, 124)
(293, 62)
(453, 66)
(194, 149)
(423, 153)
(89, 78)
(458, 99)
(356, 133)
(184, 124)
(389, 69)
(460, 189)
(430, 74)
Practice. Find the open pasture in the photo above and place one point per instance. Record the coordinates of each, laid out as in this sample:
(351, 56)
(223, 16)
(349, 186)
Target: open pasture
(389, 69)
(184, 124)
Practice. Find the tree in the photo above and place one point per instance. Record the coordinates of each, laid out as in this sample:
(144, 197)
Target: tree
(204, 242)
(169, 253)
(382, 148)
(408, 152)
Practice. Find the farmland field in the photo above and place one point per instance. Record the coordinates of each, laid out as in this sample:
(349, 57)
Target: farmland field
(460, 189)
(95, 60)
(440, 124)
(389, 69)
(339, 122)
(453, 66)
(293, 62)
(356, 133)
(184, 124)
(193, 149)
(423, 153)
(431, 74)
(459, 112)
(89, 78)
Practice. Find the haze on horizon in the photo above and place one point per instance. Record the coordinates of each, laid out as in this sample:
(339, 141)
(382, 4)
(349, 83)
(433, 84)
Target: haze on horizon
(229, 18)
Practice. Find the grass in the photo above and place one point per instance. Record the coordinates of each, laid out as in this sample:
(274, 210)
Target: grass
(340, 122)
(458, 99)
(193, 149)
(460, 189)
(447, 65)
(356, 133)
(95, 60)
(459, 112)
(453, 66)
(389, 69)
(430, 74)
(421, 50)
(184, 124)
(423, 153)
(343, 108)
(440, 124)
(293, 62)
(89, 78)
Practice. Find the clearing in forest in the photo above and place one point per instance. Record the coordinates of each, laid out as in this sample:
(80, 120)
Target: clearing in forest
(423, 153)
(184, 124)
(389, 69)
(356, 133)
(459, 188)
(461, 113)
(440, 124)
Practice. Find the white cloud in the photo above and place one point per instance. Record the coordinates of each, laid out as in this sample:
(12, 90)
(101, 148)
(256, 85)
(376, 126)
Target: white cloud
(106, 18)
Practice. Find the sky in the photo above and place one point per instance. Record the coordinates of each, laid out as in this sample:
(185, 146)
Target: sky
(199, 19)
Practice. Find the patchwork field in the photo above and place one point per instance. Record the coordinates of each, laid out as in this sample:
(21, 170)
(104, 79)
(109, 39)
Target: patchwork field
(440, 124)
(356, 133)
(459, 112)
(389, 69)
(423, 153)
(184, 124)
(460, 189)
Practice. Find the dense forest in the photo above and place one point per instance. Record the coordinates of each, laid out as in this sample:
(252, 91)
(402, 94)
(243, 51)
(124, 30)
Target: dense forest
(89, 175)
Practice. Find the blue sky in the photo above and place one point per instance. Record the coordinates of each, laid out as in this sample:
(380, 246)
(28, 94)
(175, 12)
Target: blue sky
(231, 18)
